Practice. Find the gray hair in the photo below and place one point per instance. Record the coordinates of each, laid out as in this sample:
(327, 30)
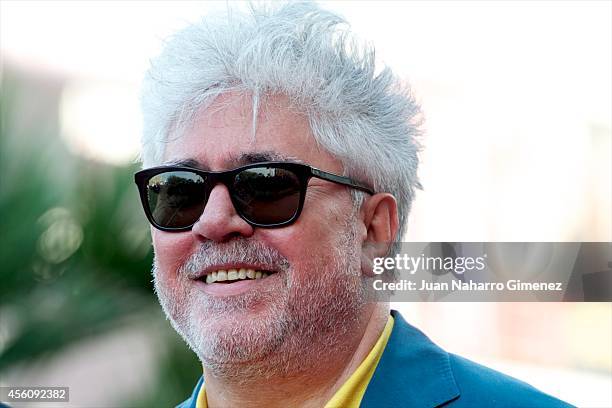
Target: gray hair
(367, 119)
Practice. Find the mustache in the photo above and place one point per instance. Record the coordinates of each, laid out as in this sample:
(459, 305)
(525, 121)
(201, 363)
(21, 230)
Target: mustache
(238, 250)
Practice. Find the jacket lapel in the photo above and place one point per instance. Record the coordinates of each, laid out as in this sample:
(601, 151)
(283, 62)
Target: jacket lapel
(191, 401)
(412, 372)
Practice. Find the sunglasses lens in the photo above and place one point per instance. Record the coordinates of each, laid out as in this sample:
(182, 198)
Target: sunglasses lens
(176, 199)
(267, 195)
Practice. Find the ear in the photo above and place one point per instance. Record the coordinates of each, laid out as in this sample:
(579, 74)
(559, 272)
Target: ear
(379, 214)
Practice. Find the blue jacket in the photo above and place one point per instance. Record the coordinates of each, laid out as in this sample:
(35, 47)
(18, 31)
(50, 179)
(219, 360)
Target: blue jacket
(414, 372)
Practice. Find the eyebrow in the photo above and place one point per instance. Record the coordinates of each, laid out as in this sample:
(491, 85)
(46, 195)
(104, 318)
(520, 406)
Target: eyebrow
(185, 162)
(263, 156)
(239, 160)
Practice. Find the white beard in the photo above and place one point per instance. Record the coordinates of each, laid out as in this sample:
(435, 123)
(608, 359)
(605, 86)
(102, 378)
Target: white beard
(266, 333)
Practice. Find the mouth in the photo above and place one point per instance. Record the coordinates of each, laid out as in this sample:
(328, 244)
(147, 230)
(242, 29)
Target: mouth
(229, 276)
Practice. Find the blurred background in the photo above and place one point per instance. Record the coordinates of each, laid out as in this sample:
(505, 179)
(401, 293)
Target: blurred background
(517, 98)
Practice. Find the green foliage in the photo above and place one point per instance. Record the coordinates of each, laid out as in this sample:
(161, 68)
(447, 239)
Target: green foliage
(75, 250)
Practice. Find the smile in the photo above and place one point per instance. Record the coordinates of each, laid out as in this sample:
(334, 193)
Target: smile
(231, 275)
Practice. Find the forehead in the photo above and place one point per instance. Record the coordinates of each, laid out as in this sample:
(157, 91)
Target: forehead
(222, 136)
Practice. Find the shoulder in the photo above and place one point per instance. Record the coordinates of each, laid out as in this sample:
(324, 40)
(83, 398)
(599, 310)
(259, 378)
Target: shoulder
(481, 386)
(414, 371)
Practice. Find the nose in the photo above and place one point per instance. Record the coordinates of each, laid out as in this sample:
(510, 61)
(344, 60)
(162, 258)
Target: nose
(219, 222)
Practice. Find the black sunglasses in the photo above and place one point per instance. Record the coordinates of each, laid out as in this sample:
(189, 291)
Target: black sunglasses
(267, 194)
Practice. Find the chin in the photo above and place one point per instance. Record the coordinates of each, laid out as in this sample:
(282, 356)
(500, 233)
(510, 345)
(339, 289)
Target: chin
(230, 344)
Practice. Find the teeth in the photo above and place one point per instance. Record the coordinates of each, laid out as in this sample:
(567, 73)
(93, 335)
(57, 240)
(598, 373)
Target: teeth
(235, 274)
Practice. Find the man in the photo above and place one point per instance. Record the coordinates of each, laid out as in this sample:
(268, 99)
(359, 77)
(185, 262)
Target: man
(278, 164)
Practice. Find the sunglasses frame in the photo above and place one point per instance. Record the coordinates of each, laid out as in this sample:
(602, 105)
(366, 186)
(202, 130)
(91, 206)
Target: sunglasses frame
(303, 172)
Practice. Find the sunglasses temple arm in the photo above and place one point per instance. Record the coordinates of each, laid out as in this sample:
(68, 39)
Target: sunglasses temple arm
(345, 181)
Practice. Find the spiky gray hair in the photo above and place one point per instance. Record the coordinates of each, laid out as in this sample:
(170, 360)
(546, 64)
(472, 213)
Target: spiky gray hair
(368, 120)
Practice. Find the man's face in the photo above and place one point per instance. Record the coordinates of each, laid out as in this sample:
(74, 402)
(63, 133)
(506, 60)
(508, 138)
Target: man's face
(315, 293)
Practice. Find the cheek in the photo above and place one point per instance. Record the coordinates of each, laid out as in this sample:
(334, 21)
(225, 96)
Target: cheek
(308, 248)
(296, 243)
(171, 249)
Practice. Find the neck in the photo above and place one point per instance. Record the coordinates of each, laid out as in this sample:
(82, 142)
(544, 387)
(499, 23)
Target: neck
(307, 388)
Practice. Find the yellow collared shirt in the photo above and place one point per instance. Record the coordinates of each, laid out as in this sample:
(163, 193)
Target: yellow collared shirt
(352, 391)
